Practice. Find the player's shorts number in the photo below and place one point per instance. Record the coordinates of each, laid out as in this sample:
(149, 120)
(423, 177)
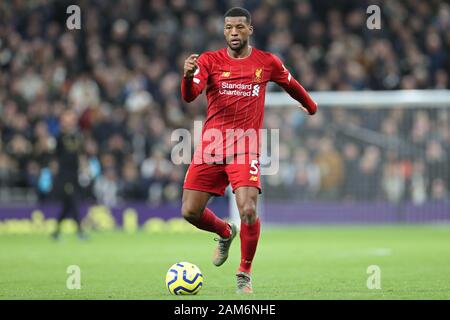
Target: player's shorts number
(253, 167)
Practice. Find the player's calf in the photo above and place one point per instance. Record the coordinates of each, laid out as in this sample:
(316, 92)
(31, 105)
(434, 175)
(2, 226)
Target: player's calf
(189, 214)
(193, 205)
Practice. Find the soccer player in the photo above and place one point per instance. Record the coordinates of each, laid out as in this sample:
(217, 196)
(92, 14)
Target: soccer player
(235, 79)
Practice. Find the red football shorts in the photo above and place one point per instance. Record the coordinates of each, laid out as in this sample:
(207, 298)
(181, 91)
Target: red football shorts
(215, 177)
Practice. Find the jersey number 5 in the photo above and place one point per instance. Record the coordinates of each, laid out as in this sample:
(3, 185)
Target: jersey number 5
(253, 167)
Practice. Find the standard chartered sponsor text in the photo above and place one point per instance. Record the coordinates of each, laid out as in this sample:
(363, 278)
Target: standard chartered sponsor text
(236, 89)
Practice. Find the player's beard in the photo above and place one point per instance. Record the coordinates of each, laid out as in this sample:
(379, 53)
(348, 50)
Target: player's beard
(240, 47)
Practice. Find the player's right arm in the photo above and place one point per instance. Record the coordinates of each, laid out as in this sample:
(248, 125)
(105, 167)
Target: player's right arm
(195, 77)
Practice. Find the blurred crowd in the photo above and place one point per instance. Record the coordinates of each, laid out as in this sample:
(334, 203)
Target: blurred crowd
(396, 154)
(121, 73)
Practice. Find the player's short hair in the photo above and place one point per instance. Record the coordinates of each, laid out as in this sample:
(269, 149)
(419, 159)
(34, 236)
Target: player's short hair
(239, 12)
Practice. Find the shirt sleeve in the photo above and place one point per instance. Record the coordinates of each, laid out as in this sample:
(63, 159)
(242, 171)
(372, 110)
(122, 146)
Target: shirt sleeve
(280, 74)
(282, 77)
(192, 87)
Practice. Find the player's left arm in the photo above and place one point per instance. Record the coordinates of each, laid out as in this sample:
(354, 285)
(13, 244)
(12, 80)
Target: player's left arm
(282, 77)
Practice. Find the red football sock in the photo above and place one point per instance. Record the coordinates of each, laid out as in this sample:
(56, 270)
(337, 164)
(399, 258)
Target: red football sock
(249, 240)
(210, 222)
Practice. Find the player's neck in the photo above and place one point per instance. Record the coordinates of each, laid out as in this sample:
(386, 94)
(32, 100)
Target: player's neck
(244, 53)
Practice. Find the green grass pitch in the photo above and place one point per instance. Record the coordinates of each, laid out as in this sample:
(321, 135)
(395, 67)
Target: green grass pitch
(317, 262)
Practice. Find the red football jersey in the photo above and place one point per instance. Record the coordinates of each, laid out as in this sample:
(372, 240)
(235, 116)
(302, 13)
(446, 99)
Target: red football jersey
(235, 91)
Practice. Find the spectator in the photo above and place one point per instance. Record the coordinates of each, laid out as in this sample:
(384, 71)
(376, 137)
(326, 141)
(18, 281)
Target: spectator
(130, 187)
(369, 172)
(437, 162)
(106, 188)
(439, 190)
(307, 176)
(331, 168)
(418, 183)
(352, 178)
(393, 182)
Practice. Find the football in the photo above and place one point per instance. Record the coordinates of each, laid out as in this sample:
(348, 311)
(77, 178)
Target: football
(184, 278)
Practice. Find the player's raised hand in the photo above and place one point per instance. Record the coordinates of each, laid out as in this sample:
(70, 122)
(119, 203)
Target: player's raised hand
(190, 65)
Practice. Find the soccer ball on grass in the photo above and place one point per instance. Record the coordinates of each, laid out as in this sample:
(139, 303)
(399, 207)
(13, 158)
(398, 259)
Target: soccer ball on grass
(184, 278)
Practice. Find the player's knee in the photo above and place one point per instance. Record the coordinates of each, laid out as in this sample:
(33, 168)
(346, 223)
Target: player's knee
(248, 213)
(190, 213)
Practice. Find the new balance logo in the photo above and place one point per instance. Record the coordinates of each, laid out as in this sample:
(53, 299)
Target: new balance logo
(255, 92)
(253, 178)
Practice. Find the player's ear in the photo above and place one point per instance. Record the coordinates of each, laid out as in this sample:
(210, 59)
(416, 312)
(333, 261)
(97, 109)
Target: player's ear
(251, 30)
